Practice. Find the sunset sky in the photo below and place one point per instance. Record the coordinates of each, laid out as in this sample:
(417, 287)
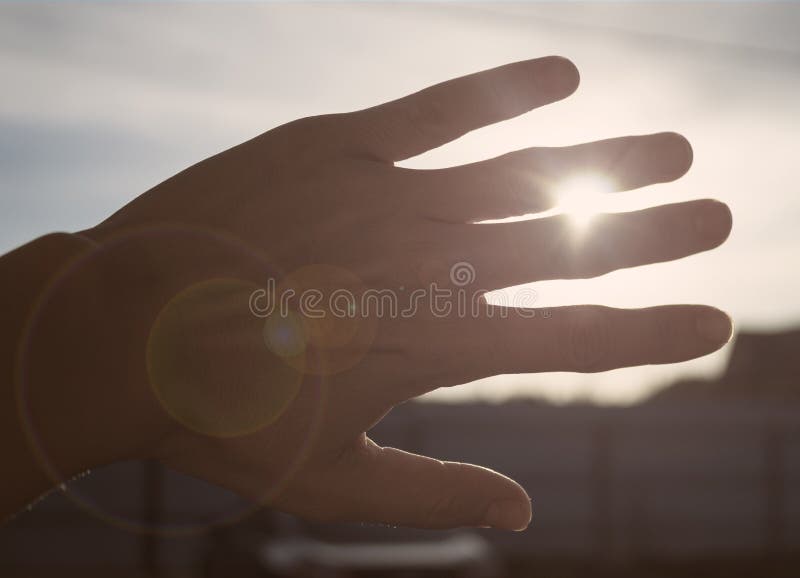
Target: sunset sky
(101, 101)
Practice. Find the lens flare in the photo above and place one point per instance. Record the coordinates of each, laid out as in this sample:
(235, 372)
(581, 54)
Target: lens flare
(582, 197)
(208, 364)
(314, 388)
(336, 331)
(284, 336)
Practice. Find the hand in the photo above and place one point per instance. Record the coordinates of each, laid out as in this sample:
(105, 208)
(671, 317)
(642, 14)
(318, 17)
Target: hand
(280, 414)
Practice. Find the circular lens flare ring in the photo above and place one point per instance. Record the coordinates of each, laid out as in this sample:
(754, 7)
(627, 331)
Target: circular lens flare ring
(317, 386)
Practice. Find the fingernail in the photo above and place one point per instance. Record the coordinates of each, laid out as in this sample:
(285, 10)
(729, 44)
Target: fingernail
(715, 326)
(714, 222)
(508, 515)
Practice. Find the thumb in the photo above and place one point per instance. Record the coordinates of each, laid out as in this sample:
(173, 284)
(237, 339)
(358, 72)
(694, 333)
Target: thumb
(394, 487)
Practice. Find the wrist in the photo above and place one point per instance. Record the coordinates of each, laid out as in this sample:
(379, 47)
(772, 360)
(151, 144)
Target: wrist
(47, 431)
(81, 383)
(86, 392)
(139, 273)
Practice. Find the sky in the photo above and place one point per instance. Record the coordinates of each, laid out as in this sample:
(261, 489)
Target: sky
(101, 101)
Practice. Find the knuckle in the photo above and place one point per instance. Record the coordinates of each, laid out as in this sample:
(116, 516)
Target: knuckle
(326, 123)
(666, 335)
(429, 116)
(587, 340)
(664, 329)
(361, 453)
(429, 372)
(441, 510)
(312, 135)
(591, 259)
(495, 346)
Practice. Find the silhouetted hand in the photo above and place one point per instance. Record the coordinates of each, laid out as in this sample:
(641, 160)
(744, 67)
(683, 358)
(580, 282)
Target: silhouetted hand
(276, 406)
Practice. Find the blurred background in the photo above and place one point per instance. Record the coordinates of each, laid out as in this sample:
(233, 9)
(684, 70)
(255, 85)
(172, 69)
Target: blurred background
(677, 470)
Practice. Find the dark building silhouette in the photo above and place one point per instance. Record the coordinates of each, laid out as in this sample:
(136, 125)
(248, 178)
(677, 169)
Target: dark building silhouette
(762, 366)
(701, 479)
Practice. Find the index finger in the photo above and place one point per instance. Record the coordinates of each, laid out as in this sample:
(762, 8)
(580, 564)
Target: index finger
(411, 125)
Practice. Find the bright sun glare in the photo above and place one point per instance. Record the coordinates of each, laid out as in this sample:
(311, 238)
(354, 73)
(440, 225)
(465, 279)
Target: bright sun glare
(581, 197)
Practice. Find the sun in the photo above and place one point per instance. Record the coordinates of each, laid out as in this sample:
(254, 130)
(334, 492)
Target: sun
(582, 197)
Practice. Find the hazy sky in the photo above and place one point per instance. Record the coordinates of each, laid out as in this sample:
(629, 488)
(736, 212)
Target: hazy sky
(101, 101)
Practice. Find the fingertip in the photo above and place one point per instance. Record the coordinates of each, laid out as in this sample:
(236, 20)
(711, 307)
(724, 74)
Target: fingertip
(672, 155)
(682, 144)
(511, 512)
(725, 217)
(561, 76)
(714, 326)
(714, 221)
(528, 516)
(512, 515)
